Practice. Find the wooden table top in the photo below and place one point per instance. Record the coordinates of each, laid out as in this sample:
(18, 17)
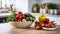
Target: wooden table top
(6, 28)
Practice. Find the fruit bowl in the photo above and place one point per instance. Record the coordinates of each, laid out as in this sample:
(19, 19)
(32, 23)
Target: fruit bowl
(20, 20)
(21, 24)
(49, 28)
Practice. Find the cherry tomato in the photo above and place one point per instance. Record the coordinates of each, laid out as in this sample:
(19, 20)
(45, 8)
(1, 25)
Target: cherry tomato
(47, 26)
(38, 27)
(19, 12)
(23, 16)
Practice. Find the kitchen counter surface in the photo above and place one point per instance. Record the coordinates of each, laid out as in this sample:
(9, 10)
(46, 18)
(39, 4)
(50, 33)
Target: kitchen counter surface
(34, 14)
(2, 15)
(6, 28)
(50, 15)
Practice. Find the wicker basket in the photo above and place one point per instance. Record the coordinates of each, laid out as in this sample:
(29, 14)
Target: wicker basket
(21, 24)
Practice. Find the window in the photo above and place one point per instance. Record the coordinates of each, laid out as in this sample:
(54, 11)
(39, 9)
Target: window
(6, 3)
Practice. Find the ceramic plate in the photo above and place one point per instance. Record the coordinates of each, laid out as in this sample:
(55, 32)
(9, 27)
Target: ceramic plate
(49, 28)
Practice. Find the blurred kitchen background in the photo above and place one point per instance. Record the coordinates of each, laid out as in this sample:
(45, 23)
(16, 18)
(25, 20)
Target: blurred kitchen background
(36, 7)
(48, 6)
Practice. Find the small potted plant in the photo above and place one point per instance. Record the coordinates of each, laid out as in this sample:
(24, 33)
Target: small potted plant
(20, 20)
(52, 8)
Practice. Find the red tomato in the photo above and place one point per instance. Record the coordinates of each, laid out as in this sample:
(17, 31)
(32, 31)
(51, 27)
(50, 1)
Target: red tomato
(43, 25)
(20, 17)
(46, 21)
(23, 16)
(38, 27)
(47, 26)
(19, 12)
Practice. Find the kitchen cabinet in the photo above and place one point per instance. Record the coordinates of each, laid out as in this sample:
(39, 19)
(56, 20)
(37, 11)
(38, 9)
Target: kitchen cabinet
(3, 20)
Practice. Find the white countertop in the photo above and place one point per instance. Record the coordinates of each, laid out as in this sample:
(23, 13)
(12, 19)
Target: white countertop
(4, 14)
(34, 14)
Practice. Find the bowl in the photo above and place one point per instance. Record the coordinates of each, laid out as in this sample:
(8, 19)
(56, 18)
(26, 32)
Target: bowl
(49, 28)
(21, 24)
